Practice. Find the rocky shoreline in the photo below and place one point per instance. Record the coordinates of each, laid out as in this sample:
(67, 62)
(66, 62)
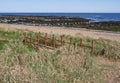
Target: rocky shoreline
(61, 21)
(45, 20)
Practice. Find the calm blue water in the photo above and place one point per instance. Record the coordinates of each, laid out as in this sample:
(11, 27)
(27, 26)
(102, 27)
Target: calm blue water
(92, 16)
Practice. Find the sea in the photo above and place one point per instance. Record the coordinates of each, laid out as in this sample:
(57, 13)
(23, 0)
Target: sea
(95, 17)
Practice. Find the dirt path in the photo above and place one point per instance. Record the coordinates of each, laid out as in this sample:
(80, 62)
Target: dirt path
(67, 31)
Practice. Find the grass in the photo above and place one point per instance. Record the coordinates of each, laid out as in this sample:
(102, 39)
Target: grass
(20, 63)
(108, 49)
(2, 43)
(111, 48)
(46, 66)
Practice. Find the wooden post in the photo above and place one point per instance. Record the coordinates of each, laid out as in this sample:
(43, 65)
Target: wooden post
(61, 40)
(54, 40)
(80, 42)
(30, 38)
(38, 38)
(74, 45)
(92, 48)
(70, 41)
(45, 39)
(25, 40)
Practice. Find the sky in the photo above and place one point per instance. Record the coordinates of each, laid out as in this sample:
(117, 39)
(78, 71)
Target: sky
(77, 6)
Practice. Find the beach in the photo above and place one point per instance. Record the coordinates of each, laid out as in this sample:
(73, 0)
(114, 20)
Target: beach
(77, 32)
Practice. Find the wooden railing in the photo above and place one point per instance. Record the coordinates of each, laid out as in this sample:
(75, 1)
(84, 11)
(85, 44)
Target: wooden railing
(52, 42)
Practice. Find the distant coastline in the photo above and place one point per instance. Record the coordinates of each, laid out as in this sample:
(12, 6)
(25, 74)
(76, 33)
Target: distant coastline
(61, 21)
(96, 17)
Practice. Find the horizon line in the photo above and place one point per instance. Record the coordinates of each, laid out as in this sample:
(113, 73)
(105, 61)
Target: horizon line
(59, 12)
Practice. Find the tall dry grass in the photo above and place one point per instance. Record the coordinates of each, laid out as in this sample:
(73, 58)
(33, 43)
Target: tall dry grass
(20, 63)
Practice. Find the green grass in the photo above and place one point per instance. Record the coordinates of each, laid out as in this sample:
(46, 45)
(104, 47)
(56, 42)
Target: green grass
(20, 62)
(2, 43)
(111, 49)
(45, 66)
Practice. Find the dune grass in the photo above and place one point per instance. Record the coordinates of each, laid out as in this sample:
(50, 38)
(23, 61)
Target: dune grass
(20, 63)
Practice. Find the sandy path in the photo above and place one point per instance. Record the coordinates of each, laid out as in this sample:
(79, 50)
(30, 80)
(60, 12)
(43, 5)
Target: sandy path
(67, 31)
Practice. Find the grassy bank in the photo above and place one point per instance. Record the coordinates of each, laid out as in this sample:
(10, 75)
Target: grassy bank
(21, 63)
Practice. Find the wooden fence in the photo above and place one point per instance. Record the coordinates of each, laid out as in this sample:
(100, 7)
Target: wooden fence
(51, 42)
